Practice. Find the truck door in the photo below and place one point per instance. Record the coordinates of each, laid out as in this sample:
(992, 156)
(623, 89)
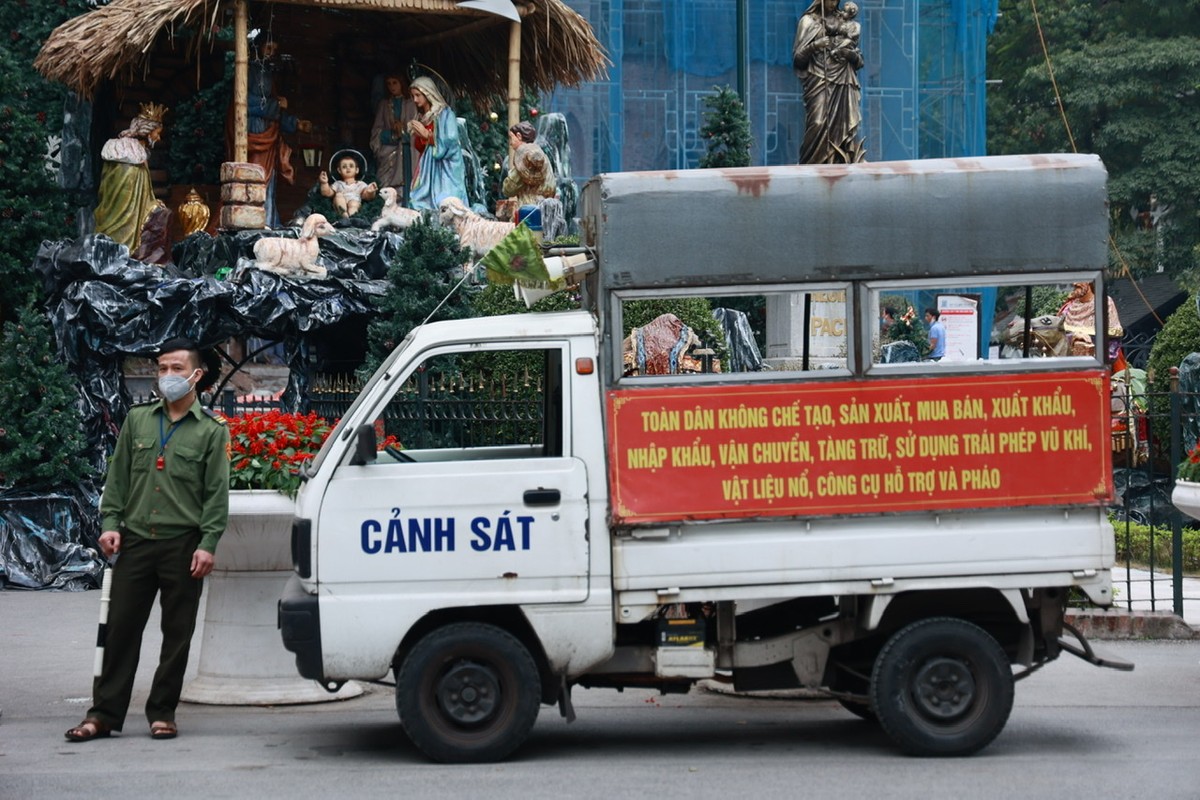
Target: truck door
(473, 492)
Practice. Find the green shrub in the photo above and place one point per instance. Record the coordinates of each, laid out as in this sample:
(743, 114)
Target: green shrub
(42, 446)
(1135, 543)
(426, 270)
(1179, 337)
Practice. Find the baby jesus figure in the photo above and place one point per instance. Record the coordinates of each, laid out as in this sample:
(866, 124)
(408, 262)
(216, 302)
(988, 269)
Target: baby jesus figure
(348, 191)
(844, 32)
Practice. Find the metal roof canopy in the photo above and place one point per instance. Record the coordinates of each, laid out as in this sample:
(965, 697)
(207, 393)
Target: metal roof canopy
(885, 220)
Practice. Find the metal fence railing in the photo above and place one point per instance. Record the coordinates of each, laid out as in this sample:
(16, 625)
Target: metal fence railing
(1158, 548)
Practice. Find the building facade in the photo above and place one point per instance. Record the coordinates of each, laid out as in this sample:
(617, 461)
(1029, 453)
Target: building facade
(923, 82)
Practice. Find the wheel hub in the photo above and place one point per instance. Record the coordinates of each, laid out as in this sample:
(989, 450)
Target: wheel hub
(943, 688)
(468, 693)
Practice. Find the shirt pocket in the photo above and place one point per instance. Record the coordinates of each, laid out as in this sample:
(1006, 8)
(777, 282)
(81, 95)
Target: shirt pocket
(144, 452)
(187, 464)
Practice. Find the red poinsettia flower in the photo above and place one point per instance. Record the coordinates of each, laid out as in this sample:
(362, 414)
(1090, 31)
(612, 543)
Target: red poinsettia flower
(1189, 468)
(268, 448)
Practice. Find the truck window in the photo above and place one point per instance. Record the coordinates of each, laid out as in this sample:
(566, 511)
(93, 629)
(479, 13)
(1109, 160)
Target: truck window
(474, 405)
(997, 321)
(780, 331)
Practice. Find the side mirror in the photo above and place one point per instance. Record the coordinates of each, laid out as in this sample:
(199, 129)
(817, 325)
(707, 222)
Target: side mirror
(365, 446)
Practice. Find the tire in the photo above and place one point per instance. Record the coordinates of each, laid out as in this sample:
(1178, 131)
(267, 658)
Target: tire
(468, 692)
(942, 687)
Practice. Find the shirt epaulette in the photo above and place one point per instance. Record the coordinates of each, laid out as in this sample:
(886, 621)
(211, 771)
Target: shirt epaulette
(151, 402)
(217, 416)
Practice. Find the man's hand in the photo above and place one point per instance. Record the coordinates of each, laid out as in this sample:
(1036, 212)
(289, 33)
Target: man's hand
(202, 563)
(110, 543)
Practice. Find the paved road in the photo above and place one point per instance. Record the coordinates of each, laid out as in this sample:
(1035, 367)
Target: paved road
(1076, 731)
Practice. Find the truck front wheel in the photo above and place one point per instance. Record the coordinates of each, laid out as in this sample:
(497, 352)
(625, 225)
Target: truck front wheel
(468, 692)
(942, 687)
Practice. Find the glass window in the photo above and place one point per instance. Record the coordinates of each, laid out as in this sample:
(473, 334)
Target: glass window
(990, 322)
(476, 405)
(769, 333)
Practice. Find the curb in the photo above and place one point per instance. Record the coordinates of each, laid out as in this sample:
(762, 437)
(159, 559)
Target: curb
(1122, 624)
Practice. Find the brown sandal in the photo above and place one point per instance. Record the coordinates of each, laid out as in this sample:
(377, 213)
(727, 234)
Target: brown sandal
(163, 730)
(90, 728)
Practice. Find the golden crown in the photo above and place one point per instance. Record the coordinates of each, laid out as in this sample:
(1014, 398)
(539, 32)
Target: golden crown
(153, 112)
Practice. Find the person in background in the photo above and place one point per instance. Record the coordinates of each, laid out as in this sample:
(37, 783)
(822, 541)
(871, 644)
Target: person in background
(937, 334)
(887, 320)
(164, 508)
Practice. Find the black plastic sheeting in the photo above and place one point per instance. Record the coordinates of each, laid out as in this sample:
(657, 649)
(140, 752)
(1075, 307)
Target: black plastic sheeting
(744, 355)
(50, 541)
(105, 306)
(899, 352)
(1142, 497)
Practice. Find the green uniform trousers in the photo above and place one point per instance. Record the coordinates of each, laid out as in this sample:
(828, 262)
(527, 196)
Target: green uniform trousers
(145, 568)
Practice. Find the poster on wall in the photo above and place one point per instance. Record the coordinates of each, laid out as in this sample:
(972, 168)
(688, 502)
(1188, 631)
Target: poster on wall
(960, 318)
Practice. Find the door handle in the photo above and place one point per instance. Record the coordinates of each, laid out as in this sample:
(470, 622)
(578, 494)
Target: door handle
(542, 497)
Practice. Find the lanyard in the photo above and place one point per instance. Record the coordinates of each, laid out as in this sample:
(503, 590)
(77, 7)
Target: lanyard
(163, 438)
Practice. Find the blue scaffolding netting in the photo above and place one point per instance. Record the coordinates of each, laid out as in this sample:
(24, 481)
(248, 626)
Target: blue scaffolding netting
(923, 83)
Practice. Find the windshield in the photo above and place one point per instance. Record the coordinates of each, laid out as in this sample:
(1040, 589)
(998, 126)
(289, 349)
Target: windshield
(342, 429)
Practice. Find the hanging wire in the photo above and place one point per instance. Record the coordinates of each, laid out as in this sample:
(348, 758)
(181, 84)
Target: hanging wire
(1062, 111)
(453, 289)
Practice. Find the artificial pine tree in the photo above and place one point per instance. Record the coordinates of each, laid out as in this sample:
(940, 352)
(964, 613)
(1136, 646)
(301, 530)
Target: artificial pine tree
(32, 206)
(42, 446)
(726, 129)
(427, 265)
(197, 135)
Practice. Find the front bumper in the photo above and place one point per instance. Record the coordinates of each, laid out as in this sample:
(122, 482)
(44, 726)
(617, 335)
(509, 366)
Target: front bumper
(299, 622)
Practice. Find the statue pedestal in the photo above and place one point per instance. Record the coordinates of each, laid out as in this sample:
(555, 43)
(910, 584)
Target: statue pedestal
(825, 326)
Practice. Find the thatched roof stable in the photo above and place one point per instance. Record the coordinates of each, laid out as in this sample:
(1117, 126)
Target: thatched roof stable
(468, 48)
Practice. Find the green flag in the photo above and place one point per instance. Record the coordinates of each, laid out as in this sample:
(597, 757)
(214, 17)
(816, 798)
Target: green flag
(517, 259)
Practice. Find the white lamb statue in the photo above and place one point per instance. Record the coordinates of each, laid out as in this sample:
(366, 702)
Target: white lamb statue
(294, 258)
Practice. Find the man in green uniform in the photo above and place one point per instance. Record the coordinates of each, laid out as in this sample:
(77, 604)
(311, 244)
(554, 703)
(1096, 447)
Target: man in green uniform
(165, 505)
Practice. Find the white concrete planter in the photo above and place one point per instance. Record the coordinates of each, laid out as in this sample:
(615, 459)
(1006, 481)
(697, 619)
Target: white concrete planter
(242, 659)
(1186, 498)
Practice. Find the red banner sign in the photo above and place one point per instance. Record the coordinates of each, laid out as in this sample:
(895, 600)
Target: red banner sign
(855, 447)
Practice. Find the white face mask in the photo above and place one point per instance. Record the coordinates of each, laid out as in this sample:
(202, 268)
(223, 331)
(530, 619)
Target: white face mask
(175, 387)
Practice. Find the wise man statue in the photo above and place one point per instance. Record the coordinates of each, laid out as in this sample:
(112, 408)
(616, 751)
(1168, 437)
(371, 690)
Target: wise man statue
(126, 195)
(826, 57)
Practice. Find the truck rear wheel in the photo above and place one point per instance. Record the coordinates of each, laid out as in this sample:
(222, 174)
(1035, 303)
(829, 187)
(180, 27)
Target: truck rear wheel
(942, 687)
(468, 692)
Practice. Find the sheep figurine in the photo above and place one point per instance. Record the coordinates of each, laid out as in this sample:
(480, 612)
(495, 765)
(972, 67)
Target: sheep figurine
(393, 215)
(294, 258)
(475, 232)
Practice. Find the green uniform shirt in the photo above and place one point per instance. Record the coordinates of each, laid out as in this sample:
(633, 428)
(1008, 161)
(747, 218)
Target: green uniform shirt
(189, 493)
